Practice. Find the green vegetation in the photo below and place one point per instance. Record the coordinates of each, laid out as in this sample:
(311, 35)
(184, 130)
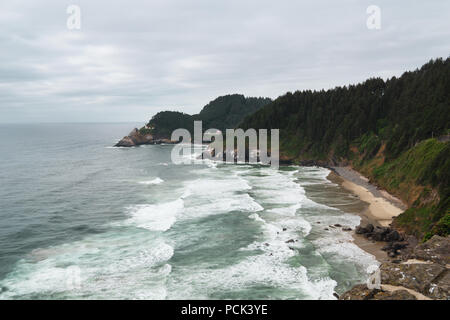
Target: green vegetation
(145, 131)
(228, 111)
(223, 113)
(420, 176)
(385, 129)
(164, 123)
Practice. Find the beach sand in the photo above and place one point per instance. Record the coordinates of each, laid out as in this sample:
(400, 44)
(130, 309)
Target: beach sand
(381, 206)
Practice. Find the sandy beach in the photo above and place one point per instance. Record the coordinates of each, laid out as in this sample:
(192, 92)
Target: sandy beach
(382, 207)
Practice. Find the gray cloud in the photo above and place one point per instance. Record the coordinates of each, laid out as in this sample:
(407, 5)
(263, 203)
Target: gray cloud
(131, 59)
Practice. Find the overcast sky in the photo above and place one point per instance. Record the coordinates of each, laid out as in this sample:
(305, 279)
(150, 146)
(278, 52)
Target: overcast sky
(131, 59)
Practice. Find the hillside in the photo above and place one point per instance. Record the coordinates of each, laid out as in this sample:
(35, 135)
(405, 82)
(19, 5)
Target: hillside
(394, 131)
(222, 113)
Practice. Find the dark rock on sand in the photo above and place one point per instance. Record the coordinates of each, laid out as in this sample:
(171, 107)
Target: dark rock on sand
(364, 230)
(380, 233)
(393, 237)
(394, 246)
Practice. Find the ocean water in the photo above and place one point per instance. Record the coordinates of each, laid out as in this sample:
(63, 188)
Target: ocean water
(82, 220)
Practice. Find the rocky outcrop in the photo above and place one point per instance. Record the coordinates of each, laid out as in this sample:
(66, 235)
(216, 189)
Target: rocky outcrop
(424, 275)
(400, 294)
(436, 249)
(136, 138)
(419, 277)
(395, 241)
(359, 292)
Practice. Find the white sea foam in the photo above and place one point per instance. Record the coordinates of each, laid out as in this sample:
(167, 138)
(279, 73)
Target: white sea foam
(213, 195)
(267, 269)
(133, 261)
(153, 181)
(256, 217)
(156, 217)
(239, 202)
(121, 264)
(283, 230)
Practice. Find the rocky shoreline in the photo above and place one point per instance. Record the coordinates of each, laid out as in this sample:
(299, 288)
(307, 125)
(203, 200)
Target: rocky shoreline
(411, 270)
(418, 272)
(136, 138)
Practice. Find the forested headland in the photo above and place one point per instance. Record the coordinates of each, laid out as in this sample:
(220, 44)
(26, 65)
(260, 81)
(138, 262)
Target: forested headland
(396, 132)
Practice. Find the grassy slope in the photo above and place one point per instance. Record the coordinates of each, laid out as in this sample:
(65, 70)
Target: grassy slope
(418, 176)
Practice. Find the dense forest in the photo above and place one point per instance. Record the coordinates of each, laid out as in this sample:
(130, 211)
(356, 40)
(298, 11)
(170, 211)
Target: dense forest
(222, 113)
(394, 131)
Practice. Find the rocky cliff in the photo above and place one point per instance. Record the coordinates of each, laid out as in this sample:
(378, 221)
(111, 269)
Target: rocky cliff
(138, 137)
(418, 273)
